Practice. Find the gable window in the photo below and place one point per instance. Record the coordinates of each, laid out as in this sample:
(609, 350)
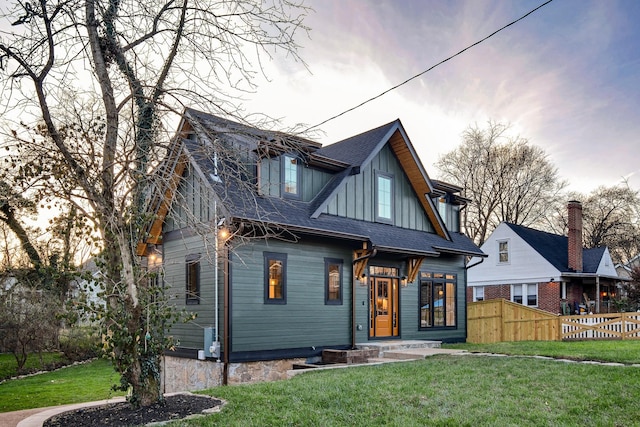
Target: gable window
(192, 263)
(525, 294)
(275, 278)
(333, 281)
(437, 300)
(503, 252)
(384, 197)
(478, 293)
(290, 176)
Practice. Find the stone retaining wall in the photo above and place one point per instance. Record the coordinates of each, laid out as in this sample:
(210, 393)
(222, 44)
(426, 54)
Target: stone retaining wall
(184, 374)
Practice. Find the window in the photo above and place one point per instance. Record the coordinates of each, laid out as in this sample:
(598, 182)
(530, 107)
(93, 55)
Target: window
(437, 300)
(275, 278)
(333, 281)
(525, 294)
(384, 197)
(449, 213)
(192, 263)
(478, 293)
(503, 252)
(291, 176)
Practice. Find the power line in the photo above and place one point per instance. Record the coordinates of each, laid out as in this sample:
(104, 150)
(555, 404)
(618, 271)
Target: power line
(427, 70)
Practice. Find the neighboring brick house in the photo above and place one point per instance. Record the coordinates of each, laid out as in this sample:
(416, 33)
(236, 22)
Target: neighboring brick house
(544, 270)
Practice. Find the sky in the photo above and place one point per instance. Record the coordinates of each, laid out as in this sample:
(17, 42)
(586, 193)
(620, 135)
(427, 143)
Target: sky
(567, 77)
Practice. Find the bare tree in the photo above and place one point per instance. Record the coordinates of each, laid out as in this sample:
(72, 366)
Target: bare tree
(506, 177)
(28, 319)
(95, 83)
(611, 217)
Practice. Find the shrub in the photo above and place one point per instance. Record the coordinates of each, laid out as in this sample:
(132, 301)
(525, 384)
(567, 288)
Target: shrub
(79, 343)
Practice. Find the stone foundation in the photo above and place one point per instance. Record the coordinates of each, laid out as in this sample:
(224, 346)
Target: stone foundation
(253, 372)
(184, 374)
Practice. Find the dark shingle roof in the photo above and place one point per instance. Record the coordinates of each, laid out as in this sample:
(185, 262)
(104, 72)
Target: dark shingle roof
(355, 150)
(554, 248)
(297, 216)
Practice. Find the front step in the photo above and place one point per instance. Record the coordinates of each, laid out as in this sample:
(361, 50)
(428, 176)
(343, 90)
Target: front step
(348, 356)
(399, 349)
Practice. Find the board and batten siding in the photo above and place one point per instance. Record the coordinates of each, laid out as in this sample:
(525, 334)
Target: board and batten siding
(304, 321)
(175, 251)
(193, 203)
(270, 178)
(356, 199)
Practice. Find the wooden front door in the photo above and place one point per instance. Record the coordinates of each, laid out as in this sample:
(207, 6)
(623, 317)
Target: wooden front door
(383, 307)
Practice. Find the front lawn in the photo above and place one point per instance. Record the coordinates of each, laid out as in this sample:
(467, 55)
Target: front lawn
(441, 391)
(9, 366)
(80, 383)
(604, 351)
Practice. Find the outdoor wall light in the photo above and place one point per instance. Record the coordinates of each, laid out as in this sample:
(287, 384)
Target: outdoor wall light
(404, 282)
(362, 279)
(223, 233)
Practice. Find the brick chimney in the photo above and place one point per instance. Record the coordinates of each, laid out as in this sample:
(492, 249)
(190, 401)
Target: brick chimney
(575, 235)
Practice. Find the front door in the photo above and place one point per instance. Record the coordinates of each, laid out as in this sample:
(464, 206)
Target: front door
(383, 307)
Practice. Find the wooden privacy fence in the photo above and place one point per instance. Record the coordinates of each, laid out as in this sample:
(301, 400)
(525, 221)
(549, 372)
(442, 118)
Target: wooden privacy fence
(501, 320)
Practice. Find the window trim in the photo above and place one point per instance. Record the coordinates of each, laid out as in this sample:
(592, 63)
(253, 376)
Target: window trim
(192, 261)
(383, 175)
(283, 177)
(525, 296)
(327, 263)
(507, 252)
(475, 293)
(275, 256)
(443, 280)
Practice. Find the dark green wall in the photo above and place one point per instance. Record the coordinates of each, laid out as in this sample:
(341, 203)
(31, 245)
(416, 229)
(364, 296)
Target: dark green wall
(356, 199)
(305, 320)
(175, 250)
(312, 180)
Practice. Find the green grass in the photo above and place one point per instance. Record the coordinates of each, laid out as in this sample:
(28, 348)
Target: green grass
(79, 383)
(440, 391)
(604, 351)
(9, 367)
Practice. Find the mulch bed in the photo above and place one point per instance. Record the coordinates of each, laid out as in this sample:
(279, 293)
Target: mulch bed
(174, 407)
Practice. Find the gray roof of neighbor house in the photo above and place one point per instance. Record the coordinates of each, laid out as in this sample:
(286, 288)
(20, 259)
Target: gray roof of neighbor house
(554, 248)
(303, 217)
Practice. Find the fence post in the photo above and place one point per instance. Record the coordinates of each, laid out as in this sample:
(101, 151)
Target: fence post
(502, 319)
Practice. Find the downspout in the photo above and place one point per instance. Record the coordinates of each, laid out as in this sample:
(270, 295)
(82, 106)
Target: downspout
(353, 296)
(466, 279)
(216, 275)
(226, 338)
(473, 265)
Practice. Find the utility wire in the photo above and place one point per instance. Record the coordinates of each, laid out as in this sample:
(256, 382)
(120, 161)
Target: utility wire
(427, 70)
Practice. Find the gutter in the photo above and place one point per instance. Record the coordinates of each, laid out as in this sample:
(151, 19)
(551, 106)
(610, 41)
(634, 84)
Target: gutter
(477, 263)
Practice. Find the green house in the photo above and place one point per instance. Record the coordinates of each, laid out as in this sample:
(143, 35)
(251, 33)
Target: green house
(284, 247)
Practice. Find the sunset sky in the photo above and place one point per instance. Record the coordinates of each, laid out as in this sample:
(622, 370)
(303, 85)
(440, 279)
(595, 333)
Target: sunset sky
(566, 77)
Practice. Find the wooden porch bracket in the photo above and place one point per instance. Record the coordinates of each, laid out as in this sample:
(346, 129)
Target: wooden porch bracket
(413, 266)
(361, 258)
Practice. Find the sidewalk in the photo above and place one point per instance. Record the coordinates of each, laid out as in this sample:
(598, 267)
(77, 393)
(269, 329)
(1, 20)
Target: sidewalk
(35, 417)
